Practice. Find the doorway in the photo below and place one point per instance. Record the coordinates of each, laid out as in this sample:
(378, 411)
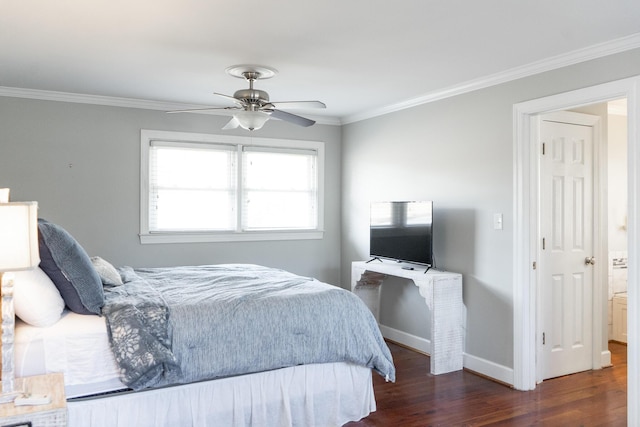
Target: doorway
(565, 295)
(526, 229)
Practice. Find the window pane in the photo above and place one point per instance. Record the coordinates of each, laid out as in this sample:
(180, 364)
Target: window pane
(195, 210)
(191, 168)
(280, 210)
(279, 171)
(191, 189)
(280, 191)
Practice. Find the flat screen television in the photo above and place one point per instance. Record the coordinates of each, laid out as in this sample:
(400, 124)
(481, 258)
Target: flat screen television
(402, 231)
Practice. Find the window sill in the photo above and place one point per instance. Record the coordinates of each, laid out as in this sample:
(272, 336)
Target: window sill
(159, 238)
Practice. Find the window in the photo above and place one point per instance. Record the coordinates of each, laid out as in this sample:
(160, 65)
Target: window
(200, 187)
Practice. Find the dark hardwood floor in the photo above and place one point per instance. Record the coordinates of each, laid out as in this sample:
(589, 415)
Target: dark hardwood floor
(419, 399)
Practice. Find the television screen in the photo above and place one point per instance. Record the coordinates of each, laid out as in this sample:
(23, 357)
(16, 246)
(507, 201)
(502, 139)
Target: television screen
(402, 231)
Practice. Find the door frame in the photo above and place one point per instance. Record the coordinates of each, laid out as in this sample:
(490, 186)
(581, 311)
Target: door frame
(599, 357)
(526, 219)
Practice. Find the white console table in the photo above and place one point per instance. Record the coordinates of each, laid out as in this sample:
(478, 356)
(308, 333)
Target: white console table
(443, 294)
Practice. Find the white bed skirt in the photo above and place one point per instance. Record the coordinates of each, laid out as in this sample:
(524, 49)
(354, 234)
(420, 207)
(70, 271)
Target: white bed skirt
(321, 395)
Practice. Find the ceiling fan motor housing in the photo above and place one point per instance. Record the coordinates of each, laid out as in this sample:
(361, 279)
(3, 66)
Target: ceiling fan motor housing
(252, 96)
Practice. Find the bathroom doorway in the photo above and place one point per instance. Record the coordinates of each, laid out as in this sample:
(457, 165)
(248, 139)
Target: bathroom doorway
(617, 176)
(613, 116)
(526, 231)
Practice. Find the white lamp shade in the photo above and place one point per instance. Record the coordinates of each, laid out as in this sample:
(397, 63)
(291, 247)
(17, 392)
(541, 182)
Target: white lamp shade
(19, 236)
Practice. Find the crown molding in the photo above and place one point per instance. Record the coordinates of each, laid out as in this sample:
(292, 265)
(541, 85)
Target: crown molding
(111, 101)
(79, 98)
(559, 61)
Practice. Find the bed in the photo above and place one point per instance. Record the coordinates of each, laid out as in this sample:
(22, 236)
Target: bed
(232, 345)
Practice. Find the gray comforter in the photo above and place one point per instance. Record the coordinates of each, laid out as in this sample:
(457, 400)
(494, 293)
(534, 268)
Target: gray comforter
(184, 324)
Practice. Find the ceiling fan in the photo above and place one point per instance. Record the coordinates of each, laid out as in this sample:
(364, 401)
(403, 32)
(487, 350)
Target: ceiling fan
(252, 106)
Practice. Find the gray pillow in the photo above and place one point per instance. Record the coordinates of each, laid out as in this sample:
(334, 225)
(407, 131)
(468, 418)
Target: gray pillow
(69, 267)
(107, 272)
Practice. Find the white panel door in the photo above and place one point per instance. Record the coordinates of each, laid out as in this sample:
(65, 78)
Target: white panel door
(566, 263)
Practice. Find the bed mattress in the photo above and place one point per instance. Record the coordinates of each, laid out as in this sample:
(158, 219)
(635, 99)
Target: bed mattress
(76, 345)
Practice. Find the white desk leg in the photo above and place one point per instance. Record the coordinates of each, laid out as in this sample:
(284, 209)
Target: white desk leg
(446, 326)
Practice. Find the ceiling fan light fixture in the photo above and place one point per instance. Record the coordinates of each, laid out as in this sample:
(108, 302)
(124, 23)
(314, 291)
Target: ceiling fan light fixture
(253, 107)
(251, 120)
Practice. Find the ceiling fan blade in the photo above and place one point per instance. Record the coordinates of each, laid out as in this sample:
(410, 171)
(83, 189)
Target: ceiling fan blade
(194, 110)
(230, 98)
(298, 104)
(231, 124)
(292, 118)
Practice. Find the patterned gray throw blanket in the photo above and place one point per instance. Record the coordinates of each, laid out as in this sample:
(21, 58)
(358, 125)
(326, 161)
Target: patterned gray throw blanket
(184, 324)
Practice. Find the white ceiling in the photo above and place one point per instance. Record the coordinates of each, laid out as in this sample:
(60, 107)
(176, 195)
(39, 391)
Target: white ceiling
(360, 57)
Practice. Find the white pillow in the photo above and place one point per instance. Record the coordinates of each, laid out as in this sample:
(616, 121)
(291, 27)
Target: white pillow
(36, 299)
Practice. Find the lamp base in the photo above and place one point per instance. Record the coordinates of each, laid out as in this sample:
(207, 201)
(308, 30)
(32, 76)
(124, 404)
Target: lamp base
(8, 389)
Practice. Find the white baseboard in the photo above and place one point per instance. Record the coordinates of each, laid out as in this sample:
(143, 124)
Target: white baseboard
(482, 366)
(412, 341)
(489, 369)
(605, 358)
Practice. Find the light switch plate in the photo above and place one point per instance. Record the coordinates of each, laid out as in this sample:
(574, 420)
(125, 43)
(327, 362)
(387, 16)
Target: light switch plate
(497, 221)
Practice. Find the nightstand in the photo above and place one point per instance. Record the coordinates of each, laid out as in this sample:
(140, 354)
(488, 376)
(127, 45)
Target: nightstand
(52, 415)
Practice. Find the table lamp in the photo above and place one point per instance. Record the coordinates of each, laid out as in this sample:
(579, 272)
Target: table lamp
(18, 251)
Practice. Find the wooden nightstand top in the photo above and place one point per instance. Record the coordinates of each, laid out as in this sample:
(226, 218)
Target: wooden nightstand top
(49, 384)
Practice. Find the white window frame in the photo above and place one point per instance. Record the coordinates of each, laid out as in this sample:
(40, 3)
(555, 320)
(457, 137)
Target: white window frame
(148, 237)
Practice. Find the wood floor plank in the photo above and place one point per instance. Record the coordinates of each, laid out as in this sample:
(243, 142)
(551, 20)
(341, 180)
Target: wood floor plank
(419, 399)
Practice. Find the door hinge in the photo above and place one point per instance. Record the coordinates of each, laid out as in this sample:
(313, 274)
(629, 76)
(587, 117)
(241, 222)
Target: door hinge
(543, 339)
(534, 265)
(543, 147)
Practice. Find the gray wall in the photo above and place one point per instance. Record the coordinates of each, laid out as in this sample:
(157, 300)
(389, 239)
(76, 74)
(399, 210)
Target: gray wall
(82, 164)
(457, 152)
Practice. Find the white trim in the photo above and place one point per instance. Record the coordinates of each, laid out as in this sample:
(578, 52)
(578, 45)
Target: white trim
(524, 298)
(147, 237)
(605, 359)
(151, 238)
(524, 250)
(477, 364)
(488, 368)
(112, 101)
(633, 231)
(563, 60)
(412, 341)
